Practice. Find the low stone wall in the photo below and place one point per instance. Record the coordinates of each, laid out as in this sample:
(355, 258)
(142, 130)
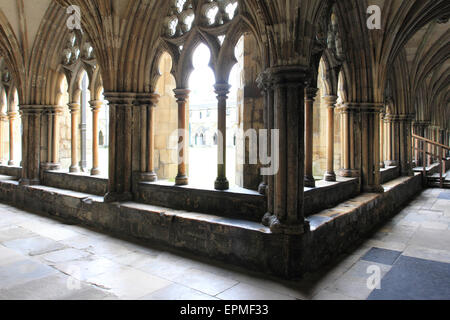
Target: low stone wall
(76, 182)
(239, 203)
(11, 171)
(328, 194)
(389, 173)
(240, 242)
(341, 227)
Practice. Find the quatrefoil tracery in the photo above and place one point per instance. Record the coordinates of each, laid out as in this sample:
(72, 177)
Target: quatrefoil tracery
(183, 15)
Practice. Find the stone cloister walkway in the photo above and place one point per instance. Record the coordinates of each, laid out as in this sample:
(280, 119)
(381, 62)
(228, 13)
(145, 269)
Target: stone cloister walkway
(42, 258)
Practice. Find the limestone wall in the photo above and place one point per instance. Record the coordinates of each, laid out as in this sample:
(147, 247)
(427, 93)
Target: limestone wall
(250, 111)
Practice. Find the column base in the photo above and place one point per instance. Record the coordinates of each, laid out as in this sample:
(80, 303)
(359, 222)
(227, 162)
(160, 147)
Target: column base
(348, 173)
(221, 184)
(95, 171)
(310, 182)
(391, 163)
(118, 197)
(181, 180)
(330, 177)
(262, 188)
(74, 169)
(54, 166)
(148, 177)
(373, 189)
(271, 221)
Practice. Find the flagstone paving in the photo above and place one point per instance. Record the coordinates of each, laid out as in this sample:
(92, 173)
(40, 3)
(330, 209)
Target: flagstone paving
(43, 258)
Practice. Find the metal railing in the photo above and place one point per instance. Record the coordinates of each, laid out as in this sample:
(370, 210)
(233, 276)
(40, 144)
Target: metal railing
(428, 152)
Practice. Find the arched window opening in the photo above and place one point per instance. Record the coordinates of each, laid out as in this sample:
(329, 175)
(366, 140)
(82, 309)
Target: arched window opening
(322, 126)
(166, 124)
(65, 157)
(202, 168)
(85, 126)
(4, 136)
(15, 129)
(234, 103)
(248, 116)
(103, 138)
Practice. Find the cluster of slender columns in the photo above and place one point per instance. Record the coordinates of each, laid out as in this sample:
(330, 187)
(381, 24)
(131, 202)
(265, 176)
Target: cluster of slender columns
(3, 124)
(12, 117)
(310, 95)
(330, 103)
(147, 104)
(8, 121)
(31, 143)
(285, 199)
(53, 113)
(349, 121)
(75, 108)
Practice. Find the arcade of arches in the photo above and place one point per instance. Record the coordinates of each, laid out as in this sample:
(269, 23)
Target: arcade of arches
(115, 122)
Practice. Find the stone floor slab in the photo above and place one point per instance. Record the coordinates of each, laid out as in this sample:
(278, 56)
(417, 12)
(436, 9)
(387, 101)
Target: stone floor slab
(387, 257)
(415, 279)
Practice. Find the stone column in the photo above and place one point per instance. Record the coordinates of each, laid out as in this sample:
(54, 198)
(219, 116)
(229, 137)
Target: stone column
(12, 116)
(370, 146)
(349, 131)
(382, 139)
(74, 114)
(120, 146)
(393, 140)
(3, 119)
(310, 94)
(405, 122)
(288, 216)
(31, 143)
(53, 145)
(330, 103)
(96, 106)
(267, 186)
(148, 103)
(182, 95)
(222, 90)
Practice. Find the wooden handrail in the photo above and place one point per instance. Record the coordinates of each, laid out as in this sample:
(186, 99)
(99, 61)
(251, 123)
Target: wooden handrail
(439, 155)
(430, 141)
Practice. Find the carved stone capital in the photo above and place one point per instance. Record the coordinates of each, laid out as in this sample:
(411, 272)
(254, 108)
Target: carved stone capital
(289, 76)
(330, 101)
(310, 94)
(147, 99)
(74, 107)
(54, 110)
(120, 98)
(96, 105)
(181, 95)
(222, 90)
(31, 109)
